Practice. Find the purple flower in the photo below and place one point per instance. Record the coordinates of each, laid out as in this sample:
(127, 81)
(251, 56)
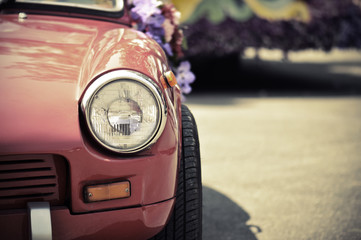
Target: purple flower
(160, 22)
(167, 48)
(184, 73)
(143, 9)
(150, 20)
(154, 26)
(155, 20)
(185, 76)
(155, 32)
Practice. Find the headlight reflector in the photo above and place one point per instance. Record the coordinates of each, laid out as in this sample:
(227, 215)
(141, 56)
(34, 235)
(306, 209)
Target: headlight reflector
(125, 111)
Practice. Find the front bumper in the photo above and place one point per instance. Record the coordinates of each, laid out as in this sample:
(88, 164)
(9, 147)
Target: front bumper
(132, 223)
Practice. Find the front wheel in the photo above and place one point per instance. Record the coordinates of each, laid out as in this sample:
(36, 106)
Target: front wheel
(186, 220)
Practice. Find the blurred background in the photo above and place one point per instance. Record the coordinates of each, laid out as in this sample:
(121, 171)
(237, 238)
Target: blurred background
(256, 44)
(278, 106)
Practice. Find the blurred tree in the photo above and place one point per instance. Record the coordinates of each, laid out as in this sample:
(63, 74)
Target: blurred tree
(219, 28)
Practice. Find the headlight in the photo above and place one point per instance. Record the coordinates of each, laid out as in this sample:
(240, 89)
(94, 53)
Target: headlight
(124, 111)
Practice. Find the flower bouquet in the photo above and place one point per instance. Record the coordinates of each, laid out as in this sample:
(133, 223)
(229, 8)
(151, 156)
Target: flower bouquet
(160, 21)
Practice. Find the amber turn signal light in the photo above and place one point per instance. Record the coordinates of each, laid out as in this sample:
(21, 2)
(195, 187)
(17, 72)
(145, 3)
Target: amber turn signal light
(103, 192)
(169, 79)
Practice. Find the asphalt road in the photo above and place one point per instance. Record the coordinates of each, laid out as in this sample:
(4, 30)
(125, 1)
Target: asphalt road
(280, 167)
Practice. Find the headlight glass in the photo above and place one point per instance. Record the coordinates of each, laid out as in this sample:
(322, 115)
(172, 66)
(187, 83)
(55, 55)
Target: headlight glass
(124, 111)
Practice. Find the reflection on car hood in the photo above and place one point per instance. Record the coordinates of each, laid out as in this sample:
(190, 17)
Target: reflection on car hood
(47, 62)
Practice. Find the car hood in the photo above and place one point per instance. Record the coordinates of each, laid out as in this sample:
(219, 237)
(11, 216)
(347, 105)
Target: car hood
(46, 63)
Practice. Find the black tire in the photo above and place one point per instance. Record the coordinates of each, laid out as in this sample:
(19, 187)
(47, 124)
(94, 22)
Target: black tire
(186, 220)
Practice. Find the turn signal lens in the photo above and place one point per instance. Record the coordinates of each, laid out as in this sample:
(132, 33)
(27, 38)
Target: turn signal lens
(109, 191)
(169, 79)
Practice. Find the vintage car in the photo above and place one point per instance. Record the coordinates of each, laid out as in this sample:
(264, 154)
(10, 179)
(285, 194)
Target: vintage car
(94, 140)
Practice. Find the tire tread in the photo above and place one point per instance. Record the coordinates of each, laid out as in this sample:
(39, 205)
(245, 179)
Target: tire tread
(186, 220)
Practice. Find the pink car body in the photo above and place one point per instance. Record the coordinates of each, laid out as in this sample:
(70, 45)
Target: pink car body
(47, 62)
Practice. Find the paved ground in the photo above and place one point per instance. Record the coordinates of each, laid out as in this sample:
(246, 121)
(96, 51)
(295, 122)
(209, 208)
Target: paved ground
(280, 167)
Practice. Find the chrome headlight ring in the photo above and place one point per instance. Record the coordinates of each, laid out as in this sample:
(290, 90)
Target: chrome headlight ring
(125, 111)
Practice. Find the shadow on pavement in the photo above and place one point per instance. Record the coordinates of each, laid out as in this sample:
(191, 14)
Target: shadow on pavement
(224, 219)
